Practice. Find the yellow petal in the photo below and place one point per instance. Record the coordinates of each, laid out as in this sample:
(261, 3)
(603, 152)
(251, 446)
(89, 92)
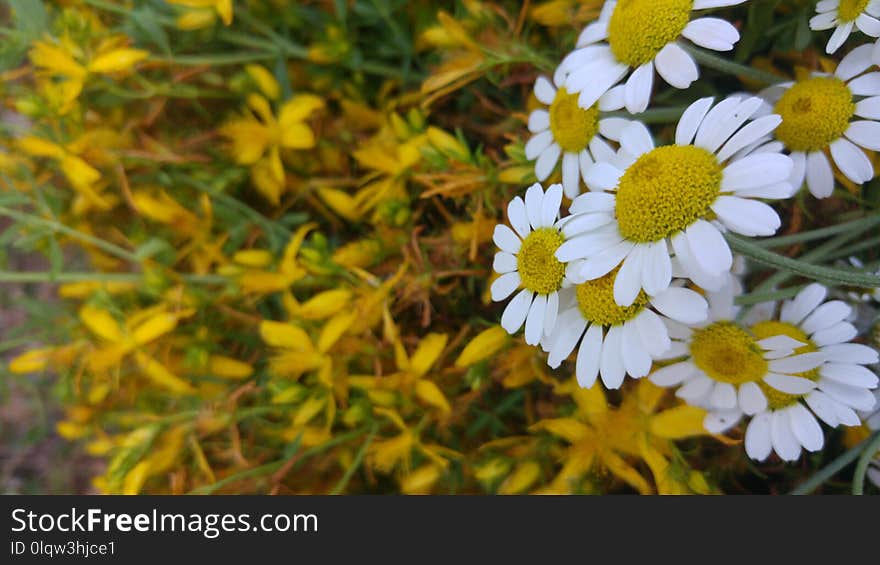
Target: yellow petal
(334, 328)
(280, 334)
(484, 345)
(253, 258)
(298, 109)
(264, 79)
(40, 147)
(421, 480)
(224, 8)
(426, 354)
(309, 409)
(626, 472)
(161, 376)
(229, 368)
(101, 323)
(154, 327)
(263, 282)
(324, 304)
(447, 143)
(54, 59)
(340, 202)
(78, 172)
(679, 422)
(430, 394)
(135, 478)
(297, 135)
(523, 477)
(195, 19)
(30, 361)
(117, 60)
(249, 139)
(261, 107)
(567, 428)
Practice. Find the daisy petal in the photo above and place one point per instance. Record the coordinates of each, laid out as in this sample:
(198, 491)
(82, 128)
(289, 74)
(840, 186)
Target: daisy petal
(517, 310)
(589, 357)
(676, 66)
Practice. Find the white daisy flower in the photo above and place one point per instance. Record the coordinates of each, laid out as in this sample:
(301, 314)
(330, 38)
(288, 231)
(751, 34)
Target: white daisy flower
(527, 261)
(833, 114)
(642, 35)
(728, 369)
(835, 390)
(617, 341)
(566, 129)
(843, 16)
(685, 195)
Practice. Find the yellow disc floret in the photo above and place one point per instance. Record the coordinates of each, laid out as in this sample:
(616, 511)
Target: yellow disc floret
(814, 113)
(539, 269)
(777, 399)
(572, 126)
(727, 353)
(849, 10)
(639, 29)
(596, 302)
(665, 191)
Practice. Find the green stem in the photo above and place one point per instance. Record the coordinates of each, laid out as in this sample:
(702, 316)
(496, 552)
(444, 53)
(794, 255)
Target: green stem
(833, 468)
(713, 61)
(31, 219)
(861, 224)
(858, 486)
(757, 297)
(62, 278)
(799, 267)
(356, 463)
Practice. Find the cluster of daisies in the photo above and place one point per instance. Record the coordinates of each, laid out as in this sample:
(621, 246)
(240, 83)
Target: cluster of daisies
(638, 278)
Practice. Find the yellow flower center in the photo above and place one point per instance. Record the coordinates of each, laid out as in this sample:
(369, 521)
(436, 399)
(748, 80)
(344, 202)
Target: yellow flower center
(596, 302)
(572, 126)
(639, 29)
(540, 270)
(666, 190)
(849, 10)
(814, 113)
(777, 400)
(727, 353)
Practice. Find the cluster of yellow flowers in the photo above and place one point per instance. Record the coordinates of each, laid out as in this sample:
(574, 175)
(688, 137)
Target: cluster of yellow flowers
(270, 228)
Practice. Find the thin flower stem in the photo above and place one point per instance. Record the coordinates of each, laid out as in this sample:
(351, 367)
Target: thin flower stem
(757, 297)
(31, 219)
(834, 467)
(800, 267)
(858, 486)
(861, 224)
(356, 463)
(712, 61)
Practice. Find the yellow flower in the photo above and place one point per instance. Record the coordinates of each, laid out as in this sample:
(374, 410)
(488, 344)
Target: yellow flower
(257, 138)
(202, 13)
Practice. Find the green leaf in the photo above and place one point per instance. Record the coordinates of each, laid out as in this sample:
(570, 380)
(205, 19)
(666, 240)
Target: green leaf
(30, 17)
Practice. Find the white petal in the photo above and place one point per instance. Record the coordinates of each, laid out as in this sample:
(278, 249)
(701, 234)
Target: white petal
(544, 90)
(794, 311)
(820, 178)
(691, 119)
(653, 332)
(612, 128)
(797, 363)
(592, 202)
(516, 215)
(758, 444)
(848, 374)
(614, 99)
(868, 25)
(569, 328)
(838, 333)
(636, 360)
(537, 144)
(757, 169)
(611, 365)
(841, 32)
(854, 397)
(598, 82)
(695, 389)
(825, 316)
(676, 66)
(539, 121)
(714, 118)
(571, 174)
(505, 285)
(869, 107)
(682, 305)
(671, 375)
(628, 281)
(850, 353)
(709, 4)
(550, 205)
(709, 247)
(517, 310)
(684, 257)
(534, 204)
(504, 262)
(749, 134)
(535, 320)
(596, 31)
(599, 265)
(711, 33)
(823, 406)
(589, 356)
(728, 125)
(602, 176)
(751, 398)
(551, 312)
(636, 139)
(824, 21)
(866, 85)
(805, 427)
(656, 268)
(784, 442)
(747, 217)
(719, 421)
(547, 161)
(855, 63)
(723, 396)
(638, 88)
(588, 244)
(864, 133)
(506, 239)
(583, 223)
(789, 384)
(780, 342)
